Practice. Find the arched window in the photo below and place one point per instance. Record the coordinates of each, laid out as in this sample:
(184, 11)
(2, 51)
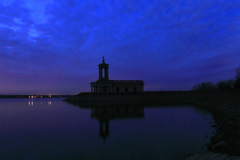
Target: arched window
(103, 73)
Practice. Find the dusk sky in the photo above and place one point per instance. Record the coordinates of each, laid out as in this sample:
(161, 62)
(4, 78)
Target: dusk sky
(55, 46)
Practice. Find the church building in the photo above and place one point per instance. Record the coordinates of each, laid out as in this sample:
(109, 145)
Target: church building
(104, 85)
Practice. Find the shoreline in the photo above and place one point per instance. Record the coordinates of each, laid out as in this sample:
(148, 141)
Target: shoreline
(223, 105)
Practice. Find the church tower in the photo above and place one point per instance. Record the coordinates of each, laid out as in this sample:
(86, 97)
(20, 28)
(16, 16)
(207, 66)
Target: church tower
(104, 85)
(103, 71)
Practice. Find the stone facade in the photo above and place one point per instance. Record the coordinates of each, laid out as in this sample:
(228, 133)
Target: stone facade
(104, 85)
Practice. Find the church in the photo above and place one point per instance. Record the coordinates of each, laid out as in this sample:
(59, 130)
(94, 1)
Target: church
(104, 85)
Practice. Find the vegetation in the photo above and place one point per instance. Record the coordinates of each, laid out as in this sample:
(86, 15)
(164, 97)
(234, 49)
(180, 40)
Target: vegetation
(225, 85)
(221, 85)
(237, 84)
(237, 79)
(204, 86)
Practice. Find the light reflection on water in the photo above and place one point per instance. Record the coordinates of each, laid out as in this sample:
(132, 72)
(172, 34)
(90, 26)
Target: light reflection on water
(53, 129)
(31, 102)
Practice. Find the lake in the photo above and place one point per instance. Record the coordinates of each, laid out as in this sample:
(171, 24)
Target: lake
(49, 128)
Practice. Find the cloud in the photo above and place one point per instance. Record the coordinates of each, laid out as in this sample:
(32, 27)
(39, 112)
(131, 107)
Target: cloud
(162, 42)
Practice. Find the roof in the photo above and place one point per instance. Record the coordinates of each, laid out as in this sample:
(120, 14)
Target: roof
(118, 81)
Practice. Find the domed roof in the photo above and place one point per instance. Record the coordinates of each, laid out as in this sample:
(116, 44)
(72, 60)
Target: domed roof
(103, 63)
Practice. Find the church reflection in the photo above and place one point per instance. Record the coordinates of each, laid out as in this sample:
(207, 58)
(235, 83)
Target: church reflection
(105, 114)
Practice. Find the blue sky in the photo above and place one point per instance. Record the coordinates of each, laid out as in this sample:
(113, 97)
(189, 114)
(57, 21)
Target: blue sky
(55, 46)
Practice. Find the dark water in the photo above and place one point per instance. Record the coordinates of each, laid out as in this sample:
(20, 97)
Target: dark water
(53, 129)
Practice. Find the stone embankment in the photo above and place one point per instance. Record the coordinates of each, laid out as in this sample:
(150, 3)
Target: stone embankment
(212, 156)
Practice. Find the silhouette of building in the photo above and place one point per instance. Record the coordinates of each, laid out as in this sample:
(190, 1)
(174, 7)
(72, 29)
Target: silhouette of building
(103, 84)
(105, 114)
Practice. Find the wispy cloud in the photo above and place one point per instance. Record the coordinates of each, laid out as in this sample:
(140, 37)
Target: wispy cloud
(156, 41)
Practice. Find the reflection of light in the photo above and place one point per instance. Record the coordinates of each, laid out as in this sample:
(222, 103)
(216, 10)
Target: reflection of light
(30, 103)
(49, 102)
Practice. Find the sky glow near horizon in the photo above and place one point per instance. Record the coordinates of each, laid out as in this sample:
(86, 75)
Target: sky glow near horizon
(55, 46)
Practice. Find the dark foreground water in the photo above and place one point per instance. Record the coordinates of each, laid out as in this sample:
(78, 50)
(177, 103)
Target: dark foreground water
(52, 129)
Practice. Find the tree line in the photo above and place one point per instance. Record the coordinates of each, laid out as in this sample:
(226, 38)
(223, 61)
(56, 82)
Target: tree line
(221, 85)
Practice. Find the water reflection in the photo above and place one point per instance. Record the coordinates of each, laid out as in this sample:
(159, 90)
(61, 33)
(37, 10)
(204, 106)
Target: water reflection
(63, 131)
(105, 114)
(31, 103)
